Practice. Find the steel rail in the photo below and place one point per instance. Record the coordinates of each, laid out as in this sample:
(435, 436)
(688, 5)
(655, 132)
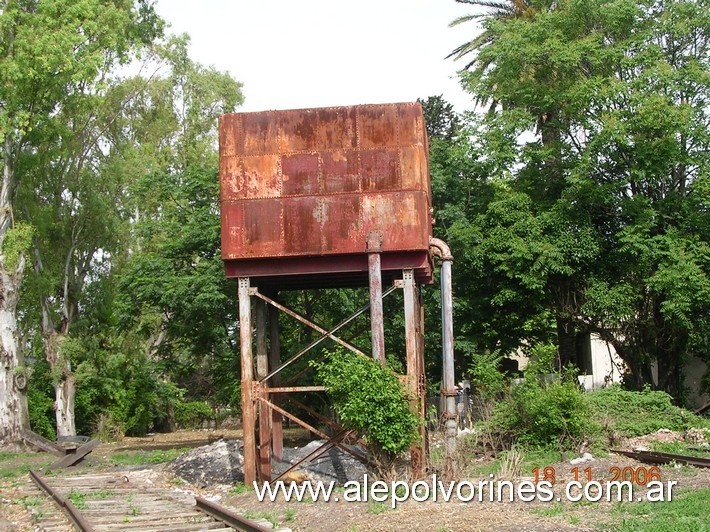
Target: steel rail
(665, 458)
(228, 517)
(80, 523)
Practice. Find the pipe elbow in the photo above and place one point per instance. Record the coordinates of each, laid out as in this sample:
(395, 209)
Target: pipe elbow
(440, 249)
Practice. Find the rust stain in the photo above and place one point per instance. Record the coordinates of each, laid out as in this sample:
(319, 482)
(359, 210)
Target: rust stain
(315, 182)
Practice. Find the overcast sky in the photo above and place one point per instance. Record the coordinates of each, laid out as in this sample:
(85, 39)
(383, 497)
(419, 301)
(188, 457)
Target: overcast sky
(292, 54)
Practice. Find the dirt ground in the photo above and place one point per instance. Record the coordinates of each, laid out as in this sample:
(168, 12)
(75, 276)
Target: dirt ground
(361, 516)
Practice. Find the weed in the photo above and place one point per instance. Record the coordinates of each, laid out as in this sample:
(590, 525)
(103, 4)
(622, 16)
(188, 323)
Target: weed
(30, 500)
(687, 511)
(638, 413)
(239, 488)
(376, 508)
(290, 515)
(677, 447)
(78, 499)
(100, 494)
(272, 516)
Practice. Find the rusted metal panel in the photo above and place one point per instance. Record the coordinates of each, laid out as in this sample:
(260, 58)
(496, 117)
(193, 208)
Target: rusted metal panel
(315, 182)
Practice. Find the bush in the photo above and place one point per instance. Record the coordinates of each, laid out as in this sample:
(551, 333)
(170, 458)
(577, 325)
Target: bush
(40, 400)
(41, 412)
(633, 413)
(543, 413)
(369, 399)
(192, 414)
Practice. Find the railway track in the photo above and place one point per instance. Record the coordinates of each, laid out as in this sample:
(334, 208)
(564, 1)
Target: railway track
(110, 502)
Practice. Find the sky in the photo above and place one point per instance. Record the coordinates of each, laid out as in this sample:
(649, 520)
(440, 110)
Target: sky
(293, 54)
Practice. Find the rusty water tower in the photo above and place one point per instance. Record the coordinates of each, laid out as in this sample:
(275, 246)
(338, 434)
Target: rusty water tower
(321, 198)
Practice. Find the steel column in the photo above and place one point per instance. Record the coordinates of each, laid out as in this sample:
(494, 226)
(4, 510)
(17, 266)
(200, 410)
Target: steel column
(377, 326)
(247, 382)
(277, 438)
(412, 328)
(262, 368)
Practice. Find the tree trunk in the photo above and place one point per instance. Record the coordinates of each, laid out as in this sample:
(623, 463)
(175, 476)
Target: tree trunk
(14, 418)
(566, 342)
(64, 388)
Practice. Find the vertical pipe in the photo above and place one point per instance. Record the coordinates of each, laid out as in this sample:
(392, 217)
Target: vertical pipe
(376, 314)
(277, 439)
(262, 370)
(447, 332)
(247, 380)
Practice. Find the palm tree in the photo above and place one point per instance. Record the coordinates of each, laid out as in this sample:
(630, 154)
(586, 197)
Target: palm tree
(497, 10)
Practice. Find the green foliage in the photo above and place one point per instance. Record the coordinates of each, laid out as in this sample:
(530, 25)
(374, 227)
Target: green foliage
(486, 378)
(634, 413)
(590, 168)
(687, 511)
(128, 458)
(16, 243)
(369, 398)
(544, 412)
(192, 414)
(40, 399)
(41, 410)
(118, 389)
(77, 498)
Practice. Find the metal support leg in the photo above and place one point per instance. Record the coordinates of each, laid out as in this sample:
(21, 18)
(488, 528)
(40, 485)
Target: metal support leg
(374, 247)
(415, 368)
(277, 439)
(262, 369)
(247, 365)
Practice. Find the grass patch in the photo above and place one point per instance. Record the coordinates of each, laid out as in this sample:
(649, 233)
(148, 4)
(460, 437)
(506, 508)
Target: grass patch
(688, 511)
(632, 413)
(551, 511)
(13, 465)
(376, 508)
(290, 515)
(272, 516)
(539, 458)
(146, 457)
(677, 447)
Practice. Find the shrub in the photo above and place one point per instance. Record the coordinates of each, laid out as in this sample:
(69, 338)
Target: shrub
(633, 413)
(41, 413)
(369, 399)
(192, 414)
(544, 412)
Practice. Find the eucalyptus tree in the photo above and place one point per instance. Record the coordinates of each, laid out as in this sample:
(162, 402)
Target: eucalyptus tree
(51, 54)
(172, 285)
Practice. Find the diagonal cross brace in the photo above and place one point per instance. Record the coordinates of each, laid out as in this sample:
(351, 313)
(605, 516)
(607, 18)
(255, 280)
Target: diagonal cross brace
(324, 335)
(315, 431)
(306, 321)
